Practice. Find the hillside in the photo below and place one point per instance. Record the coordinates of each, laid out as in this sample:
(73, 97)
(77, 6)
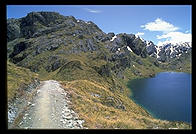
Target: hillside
(18, 78)
(94, 67)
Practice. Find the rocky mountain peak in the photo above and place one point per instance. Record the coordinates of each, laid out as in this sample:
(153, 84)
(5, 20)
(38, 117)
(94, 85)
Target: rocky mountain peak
(38, 23)
(168, 51)
(50, 32)
(44, 18)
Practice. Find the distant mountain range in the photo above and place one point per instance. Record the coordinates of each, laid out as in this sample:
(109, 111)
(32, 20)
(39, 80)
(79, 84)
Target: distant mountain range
(167, 51)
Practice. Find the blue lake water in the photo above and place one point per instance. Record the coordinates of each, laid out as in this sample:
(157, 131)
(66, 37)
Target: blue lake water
(166, 96)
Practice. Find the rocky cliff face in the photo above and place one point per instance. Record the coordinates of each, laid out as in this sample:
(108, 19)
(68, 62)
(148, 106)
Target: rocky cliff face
(170, 51)
(37, 24)
(44, 39)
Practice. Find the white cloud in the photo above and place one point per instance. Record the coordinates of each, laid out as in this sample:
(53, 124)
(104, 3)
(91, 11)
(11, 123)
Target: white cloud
(160, 25)
(92, 11)
(169, 32)
(139, 34)
(187, 31)
(175, 37)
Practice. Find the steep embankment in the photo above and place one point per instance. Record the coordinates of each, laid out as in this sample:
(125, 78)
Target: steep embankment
(101, 107)
(18, 78)
(21, 83)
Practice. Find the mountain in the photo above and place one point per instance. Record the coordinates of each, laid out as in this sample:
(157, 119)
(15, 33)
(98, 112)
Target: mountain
(171, 55)
(39, 32)
(175, 55)
(91, 63)
(170, 51)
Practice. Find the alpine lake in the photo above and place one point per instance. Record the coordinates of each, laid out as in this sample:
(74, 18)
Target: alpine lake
(166, 96)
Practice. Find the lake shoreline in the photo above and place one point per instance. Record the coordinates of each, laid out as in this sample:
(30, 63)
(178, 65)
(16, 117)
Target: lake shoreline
(146, 109)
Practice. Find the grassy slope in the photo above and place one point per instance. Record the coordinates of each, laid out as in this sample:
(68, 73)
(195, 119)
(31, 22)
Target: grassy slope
(83, 82)
(101, 112)
(98, 113)
(16, 78)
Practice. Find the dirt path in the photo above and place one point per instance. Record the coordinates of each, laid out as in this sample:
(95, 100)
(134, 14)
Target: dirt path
(50, 109)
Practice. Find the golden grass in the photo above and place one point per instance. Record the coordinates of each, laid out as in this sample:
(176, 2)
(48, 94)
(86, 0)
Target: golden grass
(16, 78)
(90, 93)
(97, 115)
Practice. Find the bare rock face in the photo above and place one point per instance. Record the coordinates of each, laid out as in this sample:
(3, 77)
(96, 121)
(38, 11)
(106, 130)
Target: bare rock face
(33, 38)
(32, 23)
(132, 42)
(151, 48)
(168, 52)
(13, 29)
(19, 48)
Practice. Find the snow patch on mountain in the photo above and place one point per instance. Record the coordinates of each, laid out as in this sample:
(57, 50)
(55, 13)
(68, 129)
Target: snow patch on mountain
(113, 38)
(168, 50)
(129, 49)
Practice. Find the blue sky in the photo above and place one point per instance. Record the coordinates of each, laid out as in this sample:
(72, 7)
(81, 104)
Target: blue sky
(159, 23)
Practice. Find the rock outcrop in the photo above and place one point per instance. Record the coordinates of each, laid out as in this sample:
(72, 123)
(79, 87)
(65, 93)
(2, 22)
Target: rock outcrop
(33, 38)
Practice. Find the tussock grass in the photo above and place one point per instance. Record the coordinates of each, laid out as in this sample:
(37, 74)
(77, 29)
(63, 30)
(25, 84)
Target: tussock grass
(91, 92)
(98, 115)
(16, 78)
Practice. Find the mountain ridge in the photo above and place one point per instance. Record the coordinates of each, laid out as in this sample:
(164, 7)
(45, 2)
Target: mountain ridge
(40, 23)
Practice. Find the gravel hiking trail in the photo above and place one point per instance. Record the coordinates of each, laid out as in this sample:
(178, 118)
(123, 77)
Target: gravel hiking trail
(50, 109)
